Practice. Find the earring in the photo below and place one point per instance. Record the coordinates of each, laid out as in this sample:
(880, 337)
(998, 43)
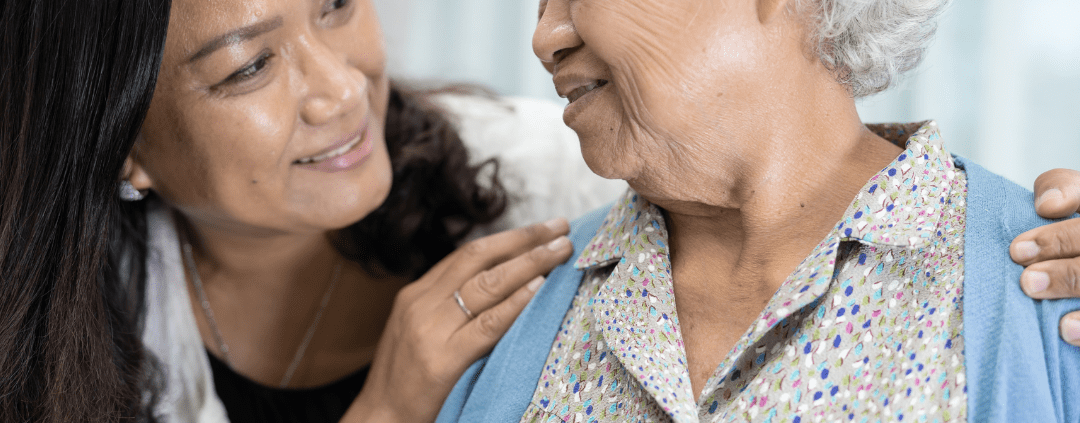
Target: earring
(129, 193)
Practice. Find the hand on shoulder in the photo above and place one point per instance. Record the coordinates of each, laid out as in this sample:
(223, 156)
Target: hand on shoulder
(452, 316)
(1052, 253)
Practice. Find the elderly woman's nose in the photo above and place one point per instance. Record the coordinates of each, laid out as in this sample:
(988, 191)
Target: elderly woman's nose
(555, 33)
(333, 86)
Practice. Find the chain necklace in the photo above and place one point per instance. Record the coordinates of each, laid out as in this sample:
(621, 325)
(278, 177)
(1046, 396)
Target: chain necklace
(189, 261)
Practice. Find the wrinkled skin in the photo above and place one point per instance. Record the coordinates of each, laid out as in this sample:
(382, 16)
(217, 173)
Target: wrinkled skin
(714, 112)
(1058, 257)
(649, 112)
(708, 110)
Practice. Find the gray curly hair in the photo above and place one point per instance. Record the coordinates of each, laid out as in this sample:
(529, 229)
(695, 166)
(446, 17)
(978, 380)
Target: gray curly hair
(870, 43)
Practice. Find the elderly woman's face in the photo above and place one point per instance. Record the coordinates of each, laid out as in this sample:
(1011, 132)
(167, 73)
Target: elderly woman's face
(269, 114)
(655, 86)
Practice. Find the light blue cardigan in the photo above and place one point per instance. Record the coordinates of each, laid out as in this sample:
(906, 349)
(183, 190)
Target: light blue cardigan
(1018, 368)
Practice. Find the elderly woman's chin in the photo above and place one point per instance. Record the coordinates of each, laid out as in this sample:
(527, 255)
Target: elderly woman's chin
(602, 160)
(606, 148)
(611, 159)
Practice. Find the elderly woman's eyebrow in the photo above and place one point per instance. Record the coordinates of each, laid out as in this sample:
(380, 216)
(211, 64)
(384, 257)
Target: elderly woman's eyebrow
(236, 36)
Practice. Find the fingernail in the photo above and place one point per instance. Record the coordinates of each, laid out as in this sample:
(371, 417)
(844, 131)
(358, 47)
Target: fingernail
(1070, 331)
(1034, 281)
(1026, 250)
(1050, 194)
(557, 224)
(535, 283)
(559, 243)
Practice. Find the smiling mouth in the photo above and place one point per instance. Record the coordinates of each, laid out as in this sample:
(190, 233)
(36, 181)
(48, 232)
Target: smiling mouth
(334, 153)
(581, 91)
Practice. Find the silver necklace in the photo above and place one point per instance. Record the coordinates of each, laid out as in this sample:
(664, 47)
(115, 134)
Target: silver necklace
(189, 261)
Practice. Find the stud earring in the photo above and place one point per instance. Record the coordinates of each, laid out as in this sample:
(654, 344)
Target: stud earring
(129, 193)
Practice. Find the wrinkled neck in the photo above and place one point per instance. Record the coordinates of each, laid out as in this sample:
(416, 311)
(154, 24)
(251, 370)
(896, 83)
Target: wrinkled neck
(770, 193)
(754, 231)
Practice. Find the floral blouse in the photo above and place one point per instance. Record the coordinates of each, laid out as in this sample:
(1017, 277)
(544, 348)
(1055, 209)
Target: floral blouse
(868, 328)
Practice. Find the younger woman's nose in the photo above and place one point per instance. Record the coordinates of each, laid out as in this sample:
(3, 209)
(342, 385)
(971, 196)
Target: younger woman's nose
(334, 88)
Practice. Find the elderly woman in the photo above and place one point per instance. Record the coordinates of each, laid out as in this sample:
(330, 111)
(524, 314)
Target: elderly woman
(219, 255)
(775, 259)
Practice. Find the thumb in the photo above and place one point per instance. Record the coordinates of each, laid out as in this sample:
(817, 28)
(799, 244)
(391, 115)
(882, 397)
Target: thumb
(1057, 193)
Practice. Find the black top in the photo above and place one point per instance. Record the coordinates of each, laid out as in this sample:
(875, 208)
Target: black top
(248, 401)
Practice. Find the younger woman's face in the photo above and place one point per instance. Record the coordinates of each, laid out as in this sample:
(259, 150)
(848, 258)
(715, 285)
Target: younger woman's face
(268, 115)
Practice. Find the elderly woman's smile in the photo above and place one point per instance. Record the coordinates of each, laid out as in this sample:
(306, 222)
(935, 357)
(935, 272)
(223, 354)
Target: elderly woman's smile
(717, 115)
(583, 87)
(687, 80)
(582, 79)
(758, 200)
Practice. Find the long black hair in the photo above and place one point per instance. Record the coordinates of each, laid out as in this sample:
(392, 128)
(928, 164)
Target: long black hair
(439, 194)
(76, 79)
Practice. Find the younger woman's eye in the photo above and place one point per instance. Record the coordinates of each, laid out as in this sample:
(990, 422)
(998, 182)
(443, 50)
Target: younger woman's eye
(337, 4)
(249, 71)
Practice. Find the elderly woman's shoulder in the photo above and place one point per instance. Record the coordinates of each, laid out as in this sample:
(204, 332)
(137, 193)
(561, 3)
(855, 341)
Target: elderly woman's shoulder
(996, 201)
(1018, 368)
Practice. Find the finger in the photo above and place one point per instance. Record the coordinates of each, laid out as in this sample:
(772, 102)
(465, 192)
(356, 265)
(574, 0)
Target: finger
(478, 336)
(1057, 193)
(1059, 240)
(490, 251)
(491, 286)
(1070, 328)
(1052, 279)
